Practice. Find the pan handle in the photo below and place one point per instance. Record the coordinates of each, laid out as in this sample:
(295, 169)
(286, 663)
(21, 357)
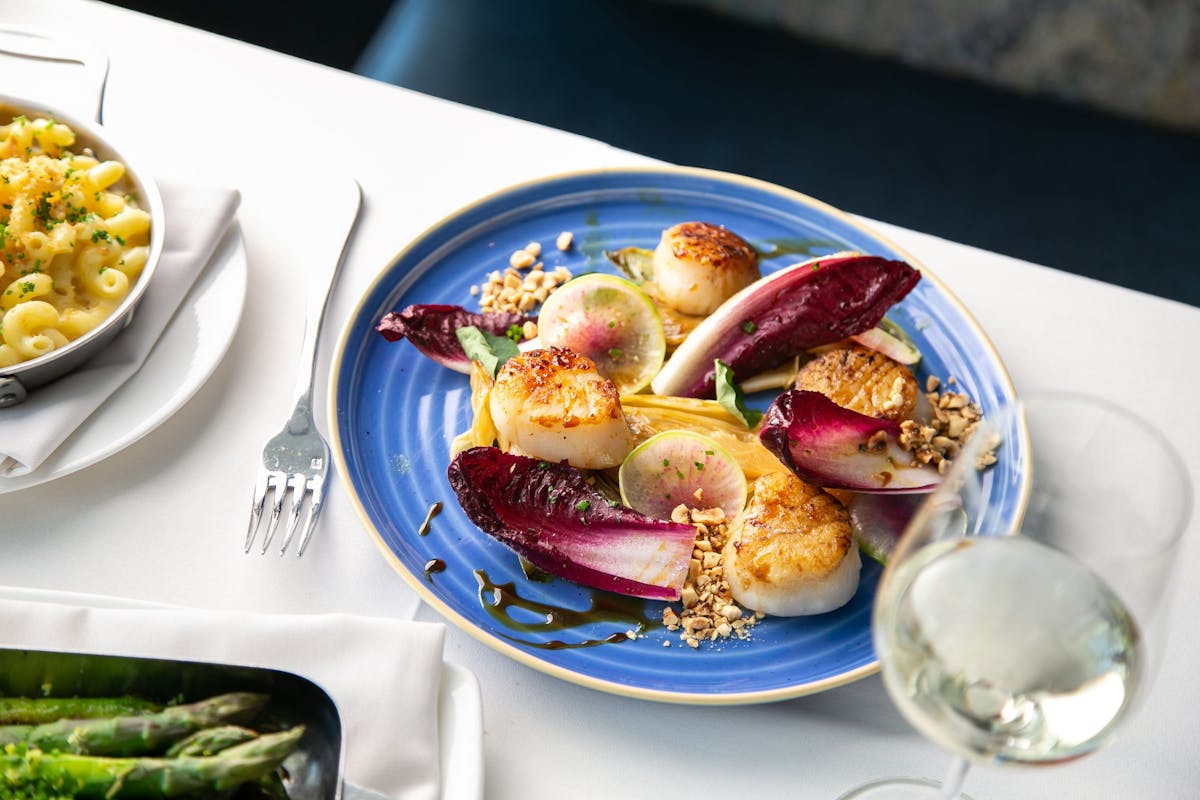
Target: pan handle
(36, 46)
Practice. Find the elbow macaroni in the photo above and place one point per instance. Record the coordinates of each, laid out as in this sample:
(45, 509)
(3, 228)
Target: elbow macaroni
(71, 244)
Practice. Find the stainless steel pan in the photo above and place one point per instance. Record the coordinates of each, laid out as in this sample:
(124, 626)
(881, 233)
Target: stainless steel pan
(314, 769)
(16, 382)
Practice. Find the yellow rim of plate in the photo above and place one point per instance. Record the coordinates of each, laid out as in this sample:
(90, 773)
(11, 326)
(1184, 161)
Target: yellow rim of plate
(424, 592)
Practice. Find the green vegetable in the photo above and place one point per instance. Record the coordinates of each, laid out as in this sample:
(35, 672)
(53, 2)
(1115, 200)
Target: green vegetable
(730, 396)
(488, 349)
(100, 777)
(35, 711)
(14, 734)
(636, 262)
(126, 736)
(210, 741)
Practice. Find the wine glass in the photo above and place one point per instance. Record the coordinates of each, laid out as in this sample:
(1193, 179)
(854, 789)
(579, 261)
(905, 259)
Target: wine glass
(1019, 621)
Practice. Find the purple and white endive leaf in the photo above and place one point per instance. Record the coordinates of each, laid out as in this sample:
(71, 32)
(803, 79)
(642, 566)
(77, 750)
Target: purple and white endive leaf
(432, 328)
(836, 448)
(549, 514)
(806, 305)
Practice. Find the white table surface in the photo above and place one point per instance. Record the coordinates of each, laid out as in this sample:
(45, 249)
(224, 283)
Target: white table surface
(164, 519)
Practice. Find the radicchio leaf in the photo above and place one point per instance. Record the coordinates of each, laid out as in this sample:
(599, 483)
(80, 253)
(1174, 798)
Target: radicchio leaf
(549, 514)
(432, 328)
(806, 305)
(837, 448)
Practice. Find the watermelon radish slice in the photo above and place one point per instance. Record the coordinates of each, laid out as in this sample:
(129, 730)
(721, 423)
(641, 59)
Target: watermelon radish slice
(685, 467)
(612, 322)
(879, 521)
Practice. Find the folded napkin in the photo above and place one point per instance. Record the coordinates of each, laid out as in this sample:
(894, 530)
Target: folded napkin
(196, 219)
(382, 674)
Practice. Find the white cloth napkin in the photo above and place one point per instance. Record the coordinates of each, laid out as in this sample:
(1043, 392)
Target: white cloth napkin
(196, 219)
(382, 674)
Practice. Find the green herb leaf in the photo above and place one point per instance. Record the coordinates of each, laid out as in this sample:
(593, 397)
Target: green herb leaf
(730, 396)
(488, 349)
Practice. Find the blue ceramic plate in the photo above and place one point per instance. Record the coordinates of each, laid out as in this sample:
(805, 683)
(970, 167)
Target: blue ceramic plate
(394, 414)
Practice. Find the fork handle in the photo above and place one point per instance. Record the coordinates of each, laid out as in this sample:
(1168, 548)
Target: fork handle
(342, 214)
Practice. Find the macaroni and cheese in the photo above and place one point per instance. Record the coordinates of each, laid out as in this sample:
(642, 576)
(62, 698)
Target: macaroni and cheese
(71, 244)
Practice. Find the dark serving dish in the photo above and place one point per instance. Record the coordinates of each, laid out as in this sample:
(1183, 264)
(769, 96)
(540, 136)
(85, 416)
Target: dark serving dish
(314, 769)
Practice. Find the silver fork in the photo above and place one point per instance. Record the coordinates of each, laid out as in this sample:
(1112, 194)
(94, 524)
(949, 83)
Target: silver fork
(297, 458)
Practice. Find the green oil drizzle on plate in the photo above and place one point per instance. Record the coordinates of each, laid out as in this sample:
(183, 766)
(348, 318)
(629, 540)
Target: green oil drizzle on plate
(793, 246)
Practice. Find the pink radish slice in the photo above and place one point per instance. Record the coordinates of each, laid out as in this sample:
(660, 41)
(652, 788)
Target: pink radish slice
(681, 467)
(612, 322)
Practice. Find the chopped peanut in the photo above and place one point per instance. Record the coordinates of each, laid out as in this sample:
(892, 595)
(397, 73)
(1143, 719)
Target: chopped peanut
(709, 613)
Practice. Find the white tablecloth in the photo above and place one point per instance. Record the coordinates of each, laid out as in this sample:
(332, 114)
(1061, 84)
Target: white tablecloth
(164, 519)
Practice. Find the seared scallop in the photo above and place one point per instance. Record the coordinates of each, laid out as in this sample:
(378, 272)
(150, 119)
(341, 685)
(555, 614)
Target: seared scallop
(862, 380)
(791, 552)
(552, 404)
(698, 266)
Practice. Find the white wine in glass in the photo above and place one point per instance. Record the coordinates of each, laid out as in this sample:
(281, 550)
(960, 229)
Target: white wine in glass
(1029, 644)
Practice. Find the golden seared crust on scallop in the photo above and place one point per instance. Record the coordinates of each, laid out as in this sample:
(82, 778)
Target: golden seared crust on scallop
(792, 550)
(714, 245)
(698, 265)
(554, 405)
(558, 386)
(862, 380)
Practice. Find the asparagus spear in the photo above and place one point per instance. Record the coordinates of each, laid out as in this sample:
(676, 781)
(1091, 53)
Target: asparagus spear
(38, 710)
(210, 741)
(104, 777)
(129, 736)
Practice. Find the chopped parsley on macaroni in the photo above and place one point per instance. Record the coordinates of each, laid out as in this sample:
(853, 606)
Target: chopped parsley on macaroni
(71, 245)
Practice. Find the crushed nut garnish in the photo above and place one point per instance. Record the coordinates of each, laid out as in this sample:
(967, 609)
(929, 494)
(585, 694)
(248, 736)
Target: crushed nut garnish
(564, 240)
(955, 417)
(520, 259)
(516, 293)
(709, 612)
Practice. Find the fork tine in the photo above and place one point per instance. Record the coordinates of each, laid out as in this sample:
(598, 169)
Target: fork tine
(310, 524)
(256, 507)
(278, 482)
(297, 484)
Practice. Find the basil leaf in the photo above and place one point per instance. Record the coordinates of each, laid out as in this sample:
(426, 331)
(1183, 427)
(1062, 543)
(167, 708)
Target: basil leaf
(488, 349)
(730, 396)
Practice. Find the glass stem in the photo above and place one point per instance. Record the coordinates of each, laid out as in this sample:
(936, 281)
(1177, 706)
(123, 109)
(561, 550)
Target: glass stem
(952, 783)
